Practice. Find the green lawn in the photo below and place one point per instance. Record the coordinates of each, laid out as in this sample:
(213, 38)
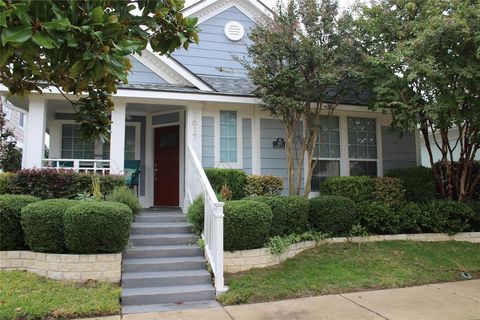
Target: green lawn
(25, 295)
(340, 268)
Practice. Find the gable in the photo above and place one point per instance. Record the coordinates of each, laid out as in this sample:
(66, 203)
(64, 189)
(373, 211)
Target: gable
(140, 74)
(214, 56)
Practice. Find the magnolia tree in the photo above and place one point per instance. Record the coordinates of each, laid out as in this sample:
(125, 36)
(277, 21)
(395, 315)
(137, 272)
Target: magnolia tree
(82, 47)
(424, 64)
(302, 62)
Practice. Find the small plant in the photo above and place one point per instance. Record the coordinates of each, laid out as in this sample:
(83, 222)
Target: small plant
(96, 188)
(84, 196)
(195, 214)
(359, 231)
(263, 185)
(226, 193)
(279, 245)
(201, 243)
(125, 195)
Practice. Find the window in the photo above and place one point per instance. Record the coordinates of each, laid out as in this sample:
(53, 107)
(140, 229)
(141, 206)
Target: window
(21, 120)
(327, 160)
(228, 136)
(74, 146)
(130, 145)
(362, 146)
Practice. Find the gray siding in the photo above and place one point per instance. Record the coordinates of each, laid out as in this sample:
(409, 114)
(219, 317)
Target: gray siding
(160, 119)
(247, 145)
(398, 152)
(208, 158)
(141, 74)
(273, 161)
(213, 55)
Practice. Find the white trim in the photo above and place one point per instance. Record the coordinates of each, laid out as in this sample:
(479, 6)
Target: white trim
(149, 156)
(216, 160)
(210, 8)
(256, 147)
(150, 60)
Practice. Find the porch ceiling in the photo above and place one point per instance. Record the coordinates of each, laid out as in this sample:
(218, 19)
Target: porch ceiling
(146, 108)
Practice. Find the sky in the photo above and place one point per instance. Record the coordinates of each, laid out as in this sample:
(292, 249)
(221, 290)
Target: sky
(271, 3)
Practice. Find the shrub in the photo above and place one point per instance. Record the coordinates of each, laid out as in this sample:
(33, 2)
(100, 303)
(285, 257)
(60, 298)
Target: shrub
(446, 216)
(233, 178)
(379, 218)
(246, 225)
(3, 181)
(332, 214)
(389, 190)
(418, 183)
(409, 214)
(290, 214)
(196, 213)
(359, 189)
(126, 196)
(97, 227)
(42, 224)
(475, 221)
(257, 185)
(52, 183)
(11, 233)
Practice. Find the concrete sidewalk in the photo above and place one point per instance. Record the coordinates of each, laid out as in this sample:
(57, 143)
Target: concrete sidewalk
(447, 301)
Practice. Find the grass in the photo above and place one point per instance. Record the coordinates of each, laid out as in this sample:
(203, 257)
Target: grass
(348, 267)
(26, 295)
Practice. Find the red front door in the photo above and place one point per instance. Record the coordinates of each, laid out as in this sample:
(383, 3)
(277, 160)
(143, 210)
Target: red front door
(166, 166)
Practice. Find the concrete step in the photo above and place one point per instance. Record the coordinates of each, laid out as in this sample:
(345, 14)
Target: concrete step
(162, 295)
(170, 307)
(161, 218)
(162, 251)
(161, 228)
(165, 278)
(163, 264)
(163, 239)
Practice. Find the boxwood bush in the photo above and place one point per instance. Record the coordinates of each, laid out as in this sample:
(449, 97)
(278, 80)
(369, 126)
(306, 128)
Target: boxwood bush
(126, 196)
(196, 214)
(54, 184)
(388, 190)
(257, 185)
(290, 214)
(409, 214)
(418, 183)
(246, 224)
(4, 176)
(42, 224)
(359, 189)
(334, 215)
(11, 233)
(234, 179)
(97, 227)
(379, 218)
(446, 216)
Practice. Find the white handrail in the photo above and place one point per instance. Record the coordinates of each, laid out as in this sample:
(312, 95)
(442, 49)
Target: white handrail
(197, 184)
(79, 165)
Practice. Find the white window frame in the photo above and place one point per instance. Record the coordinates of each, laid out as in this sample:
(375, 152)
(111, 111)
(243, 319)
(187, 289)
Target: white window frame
(21, 116)
(240, 117)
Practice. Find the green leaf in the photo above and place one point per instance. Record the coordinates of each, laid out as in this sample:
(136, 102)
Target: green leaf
(44, 40)
(5, 54)
(2, 3)
(3, 18)
(61, 24)
(97, 14)
(16, 35)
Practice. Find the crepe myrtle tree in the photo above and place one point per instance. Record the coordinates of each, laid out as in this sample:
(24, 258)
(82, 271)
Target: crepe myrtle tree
(424, 64)
(302, 64)
(82, 47)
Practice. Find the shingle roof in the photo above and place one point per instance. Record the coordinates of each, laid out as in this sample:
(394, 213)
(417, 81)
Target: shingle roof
(237, 86)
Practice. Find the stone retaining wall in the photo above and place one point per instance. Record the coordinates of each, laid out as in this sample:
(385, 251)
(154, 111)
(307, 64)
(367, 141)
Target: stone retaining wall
(260, 258)
(75, 267)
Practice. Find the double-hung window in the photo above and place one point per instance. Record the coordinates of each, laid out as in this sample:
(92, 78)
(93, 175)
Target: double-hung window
(228, 137)
(327, 151)
(74, 146)
(362, 146)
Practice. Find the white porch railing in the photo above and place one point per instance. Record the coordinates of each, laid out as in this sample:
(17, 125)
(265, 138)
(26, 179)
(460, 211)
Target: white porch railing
(101, 167)
(196, 183)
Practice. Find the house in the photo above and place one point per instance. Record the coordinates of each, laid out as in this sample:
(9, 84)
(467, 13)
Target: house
(15, 118)
(199, 102)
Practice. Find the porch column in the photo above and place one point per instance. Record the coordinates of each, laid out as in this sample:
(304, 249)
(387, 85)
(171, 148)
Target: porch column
(117, 138)
(34, 139)
(193, 128)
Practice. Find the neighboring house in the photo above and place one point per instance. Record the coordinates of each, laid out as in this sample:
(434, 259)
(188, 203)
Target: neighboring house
(200, 101)
(15, 120)
(452, 137)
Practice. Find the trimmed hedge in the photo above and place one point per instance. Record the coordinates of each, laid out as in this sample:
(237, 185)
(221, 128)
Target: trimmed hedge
(388, 190)
(379, 218)
(126, 196)
(446, 216)
(54, 184)
(97, 227)
(233, 178)
(246, 224)
(409, 214)
(4, 176)
(418, 183)
(334, 215)
(257, 185)
(290, 214)
(11, 233)
(42, 224)
(359, 189)
(196, 214)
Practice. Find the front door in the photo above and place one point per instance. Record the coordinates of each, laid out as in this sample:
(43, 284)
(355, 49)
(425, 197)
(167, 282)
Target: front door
(166, 166)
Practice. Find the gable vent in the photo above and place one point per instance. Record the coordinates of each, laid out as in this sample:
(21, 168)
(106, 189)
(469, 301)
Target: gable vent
(234, 31)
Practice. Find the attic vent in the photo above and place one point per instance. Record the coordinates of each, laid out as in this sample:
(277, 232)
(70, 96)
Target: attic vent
(234, 31)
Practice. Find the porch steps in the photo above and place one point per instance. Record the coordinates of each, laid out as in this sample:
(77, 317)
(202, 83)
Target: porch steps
(164, 269)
